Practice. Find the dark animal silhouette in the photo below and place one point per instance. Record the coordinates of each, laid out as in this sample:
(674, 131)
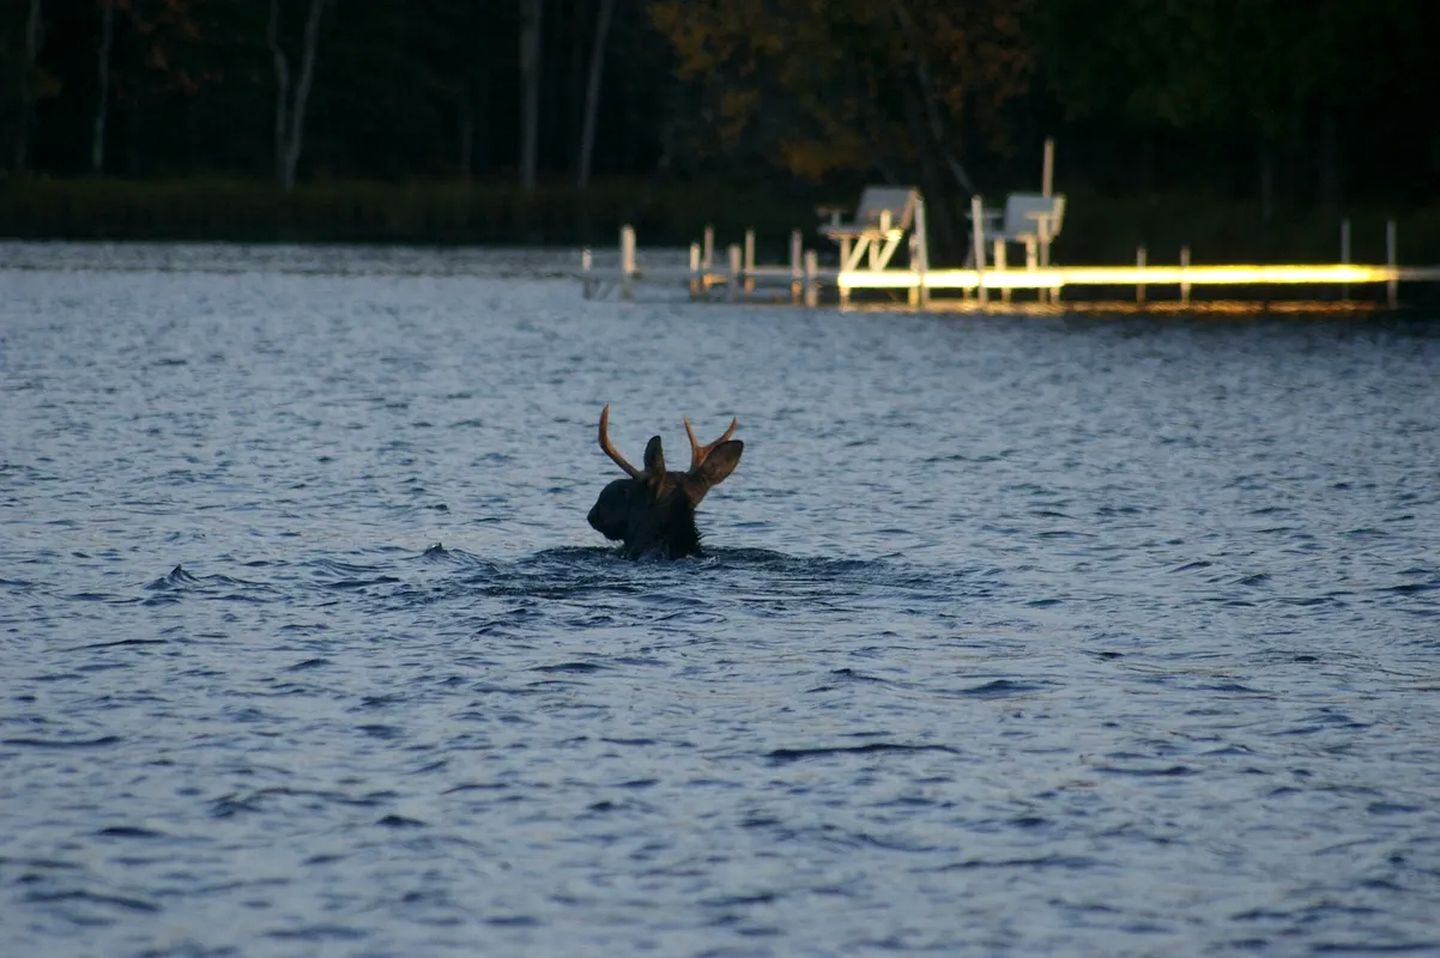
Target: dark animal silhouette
(653, 511)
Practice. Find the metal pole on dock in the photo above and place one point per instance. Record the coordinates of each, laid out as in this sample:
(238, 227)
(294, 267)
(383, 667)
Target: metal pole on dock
(749, 260)
(627, 260)
(977, 230)
(1140, 265)
(812, 284)
(1392, 285)
(735, 271)
(920, 255)
(1345, 254)
(1047, 175)
(1184, 265)
(797, 252)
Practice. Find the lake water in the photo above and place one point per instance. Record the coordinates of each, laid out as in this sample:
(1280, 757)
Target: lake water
(1030, 636)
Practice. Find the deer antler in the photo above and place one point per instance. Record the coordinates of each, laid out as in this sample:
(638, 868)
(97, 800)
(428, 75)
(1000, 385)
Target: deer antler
(610, 450)
(699, 452)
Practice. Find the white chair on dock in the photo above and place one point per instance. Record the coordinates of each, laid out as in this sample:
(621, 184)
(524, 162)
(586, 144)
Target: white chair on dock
(1031, 219)
(883, 216)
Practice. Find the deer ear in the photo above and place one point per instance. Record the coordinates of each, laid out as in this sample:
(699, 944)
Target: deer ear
(654, 457)
(720, 463)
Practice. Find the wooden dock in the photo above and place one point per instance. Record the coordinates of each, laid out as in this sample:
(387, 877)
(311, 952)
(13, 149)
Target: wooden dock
(803, 281)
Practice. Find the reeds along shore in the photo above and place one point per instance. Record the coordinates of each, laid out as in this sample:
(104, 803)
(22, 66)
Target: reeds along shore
(1098, 228)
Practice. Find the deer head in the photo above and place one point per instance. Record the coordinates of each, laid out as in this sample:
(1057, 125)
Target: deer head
(653, 511)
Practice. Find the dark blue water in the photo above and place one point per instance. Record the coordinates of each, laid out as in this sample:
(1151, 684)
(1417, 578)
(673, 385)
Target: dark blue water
(1031, 636)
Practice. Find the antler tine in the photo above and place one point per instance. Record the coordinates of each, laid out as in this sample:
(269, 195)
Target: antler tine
(610, 449)
(699, 452)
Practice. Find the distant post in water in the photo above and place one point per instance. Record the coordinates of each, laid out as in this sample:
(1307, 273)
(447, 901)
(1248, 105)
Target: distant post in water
(1184, 265)
(1140, 265)
(749, 260)
(697, 281)
(587, 262)
(735, 271)
(797, 251)
(812, 279)
(627, 260)
(707, 251)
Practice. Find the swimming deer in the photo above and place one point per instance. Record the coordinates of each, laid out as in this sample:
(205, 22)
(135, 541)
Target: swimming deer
(653, 511)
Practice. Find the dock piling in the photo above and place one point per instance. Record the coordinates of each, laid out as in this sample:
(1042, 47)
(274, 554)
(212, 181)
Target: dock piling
(627, 261)
(977, 231)
(812, 280)
(697, 280)
(796, 267)
(736, 271)
(1184, 284)
(1392, 285)
(707, 251)
(1345, 254)
(1140, 265)
(587, 263)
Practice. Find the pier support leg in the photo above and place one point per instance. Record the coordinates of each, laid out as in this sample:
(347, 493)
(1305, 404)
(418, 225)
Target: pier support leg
(1184, 286)
(749, 261)
(627, 261)
(796, 268)
(1392, 285)
(977, 230)
(736, 271)
(587, 262)
(1345, 254)
(812, 279)
(697, 280)
(1140, 264)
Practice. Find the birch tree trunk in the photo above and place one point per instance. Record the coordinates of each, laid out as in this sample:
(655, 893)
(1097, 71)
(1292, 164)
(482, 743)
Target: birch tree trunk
(282, 88)
(290, 104)
(102, 105)
(592, 94)
(530, 13)
(27, 88)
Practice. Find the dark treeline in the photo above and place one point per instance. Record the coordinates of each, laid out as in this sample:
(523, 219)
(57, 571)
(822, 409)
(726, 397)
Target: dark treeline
(1286, 109)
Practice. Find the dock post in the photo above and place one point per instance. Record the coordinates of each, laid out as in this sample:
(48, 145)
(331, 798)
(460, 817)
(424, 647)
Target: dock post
(1140, 265)
(1392, 285)
(812, 283)
(707, 251)
(977, 230)
(627, 260)
(697, 282)
(749, 260)
(1047, 175)
(920, 253)
(587, 262)
(797, 247)
(1184, 265)
(735, 271)
(1345, 254)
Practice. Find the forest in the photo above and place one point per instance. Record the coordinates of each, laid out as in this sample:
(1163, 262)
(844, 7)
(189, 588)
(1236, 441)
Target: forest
(1254, 124)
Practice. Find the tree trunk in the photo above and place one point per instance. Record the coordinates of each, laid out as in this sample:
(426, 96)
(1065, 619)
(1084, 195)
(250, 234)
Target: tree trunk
(102, 105)
(27, 88)
(282, 88)
(530, 13)
(592, 94)
(296, 136)
(290, 105)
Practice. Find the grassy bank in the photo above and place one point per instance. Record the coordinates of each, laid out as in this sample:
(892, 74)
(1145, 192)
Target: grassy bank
(1098, 229)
